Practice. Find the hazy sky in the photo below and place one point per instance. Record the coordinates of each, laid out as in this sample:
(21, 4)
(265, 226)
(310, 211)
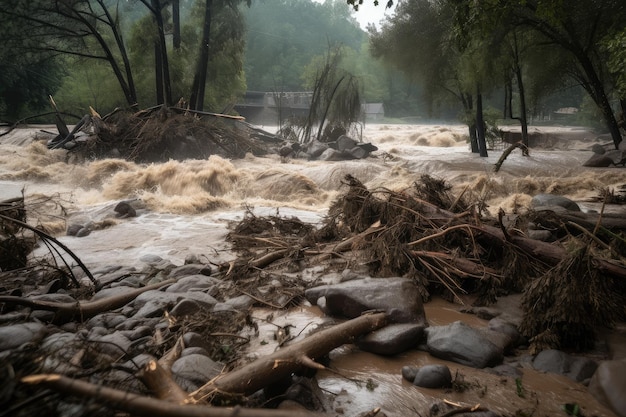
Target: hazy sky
(368, 13)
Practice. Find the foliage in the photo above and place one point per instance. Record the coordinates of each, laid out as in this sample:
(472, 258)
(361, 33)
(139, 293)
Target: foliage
(284, 35)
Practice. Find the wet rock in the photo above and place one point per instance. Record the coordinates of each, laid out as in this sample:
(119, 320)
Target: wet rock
(85, 231)
(598, 149)
(138, 332)
(54, 298)
(186, 270)
(392, 339)
(106, 320)
(433, 376)
(124, 209)
(333, 155)
(551, 200)
(195, 370)
(16, 335)
(409, 372)
(397, 296)
(73, 229)
(58, 349)
(574, 367)
(111, 292)
(608, 385)
(151, 259)
(500, 325)
(193, 283)
(241, 303)
(115, 344)
(345, 143)
(315, 148)
(458, 342)
(185, 308)
(194, 351)
(154, 303)
(193, 339)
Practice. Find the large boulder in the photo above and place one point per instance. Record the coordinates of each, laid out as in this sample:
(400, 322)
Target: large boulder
(460, 343)
(392, 339)
(399, 297)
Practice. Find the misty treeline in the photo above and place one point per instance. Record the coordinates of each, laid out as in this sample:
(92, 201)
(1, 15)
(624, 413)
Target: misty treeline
(523, 50)
(110, 53)
(524, 58)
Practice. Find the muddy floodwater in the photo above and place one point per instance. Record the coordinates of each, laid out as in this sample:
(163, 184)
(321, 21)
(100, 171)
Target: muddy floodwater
(187, 206)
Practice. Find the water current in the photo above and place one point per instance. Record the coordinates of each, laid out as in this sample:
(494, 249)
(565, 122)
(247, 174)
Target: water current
(187, 206)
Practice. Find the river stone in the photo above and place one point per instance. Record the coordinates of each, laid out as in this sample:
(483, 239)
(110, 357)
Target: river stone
(185, 308)
(114, 344)
(193, 339)
(315, 148)
(392, 339)
(550, 200)
(574, 367)
(433, 376)
(194, 351)
(106, 320)
(345, 143)
(240, 303)
(608, 385)
(458, 342)
(194, 282)
(111, 292)
(397, 296)
(333, 155)
(195, 369)
(154, 303)
(73, 228)
(498, 324)
(16, 335)
(187, 270)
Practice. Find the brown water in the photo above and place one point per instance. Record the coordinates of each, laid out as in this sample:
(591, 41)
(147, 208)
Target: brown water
(189, 204)
(357, 382)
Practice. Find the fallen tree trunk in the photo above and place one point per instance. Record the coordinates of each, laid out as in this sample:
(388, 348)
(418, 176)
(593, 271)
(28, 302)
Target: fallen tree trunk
(66, 312)
(139, 405)
(284, 362)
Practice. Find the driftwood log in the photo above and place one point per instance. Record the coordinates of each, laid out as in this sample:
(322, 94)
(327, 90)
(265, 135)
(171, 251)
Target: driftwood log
(81, 311)
(139, 405)
(296, 357)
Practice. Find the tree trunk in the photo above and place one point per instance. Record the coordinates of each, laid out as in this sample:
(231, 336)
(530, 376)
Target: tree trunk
(176, 24)
(468, 105)
(199, 79)
(158, 73)
(162, 46)
(480, 124)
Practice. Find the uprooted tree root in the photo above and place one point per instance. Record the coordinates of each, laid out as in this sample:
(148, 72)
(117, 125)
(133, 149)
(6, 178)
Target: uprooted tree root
(565, 306)
(414, 234)
(163, 133)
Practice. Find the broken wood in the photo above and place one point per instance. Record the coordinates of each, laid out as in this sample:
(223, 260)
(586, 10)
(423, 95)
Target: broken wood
(293, 358)
(139, 405)
(161, 383)
(81, 311)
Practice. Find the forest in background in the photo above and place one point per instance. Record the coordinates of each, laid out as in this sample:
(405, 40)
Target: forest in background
(424, 62)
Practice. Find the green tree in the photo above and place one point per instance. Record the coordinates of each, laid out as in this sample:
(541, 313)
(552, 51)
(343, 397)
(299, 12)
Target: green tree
(576, 26)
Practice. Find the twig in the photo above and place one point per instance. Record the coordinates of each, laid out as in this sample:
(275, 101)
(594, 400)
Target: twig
(44, 235)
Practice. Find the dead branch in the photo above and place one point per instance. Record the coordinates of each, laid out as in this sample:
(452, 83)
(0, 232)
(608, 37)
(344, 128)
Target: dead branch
(149, 407)
(284, 362)
(507, 152)
(161, 383)
(66, 312)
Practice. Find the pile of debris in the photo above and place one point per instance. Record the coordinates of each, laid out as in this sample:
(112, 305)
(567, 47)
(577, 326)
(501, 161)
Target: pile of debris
(162, 133)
